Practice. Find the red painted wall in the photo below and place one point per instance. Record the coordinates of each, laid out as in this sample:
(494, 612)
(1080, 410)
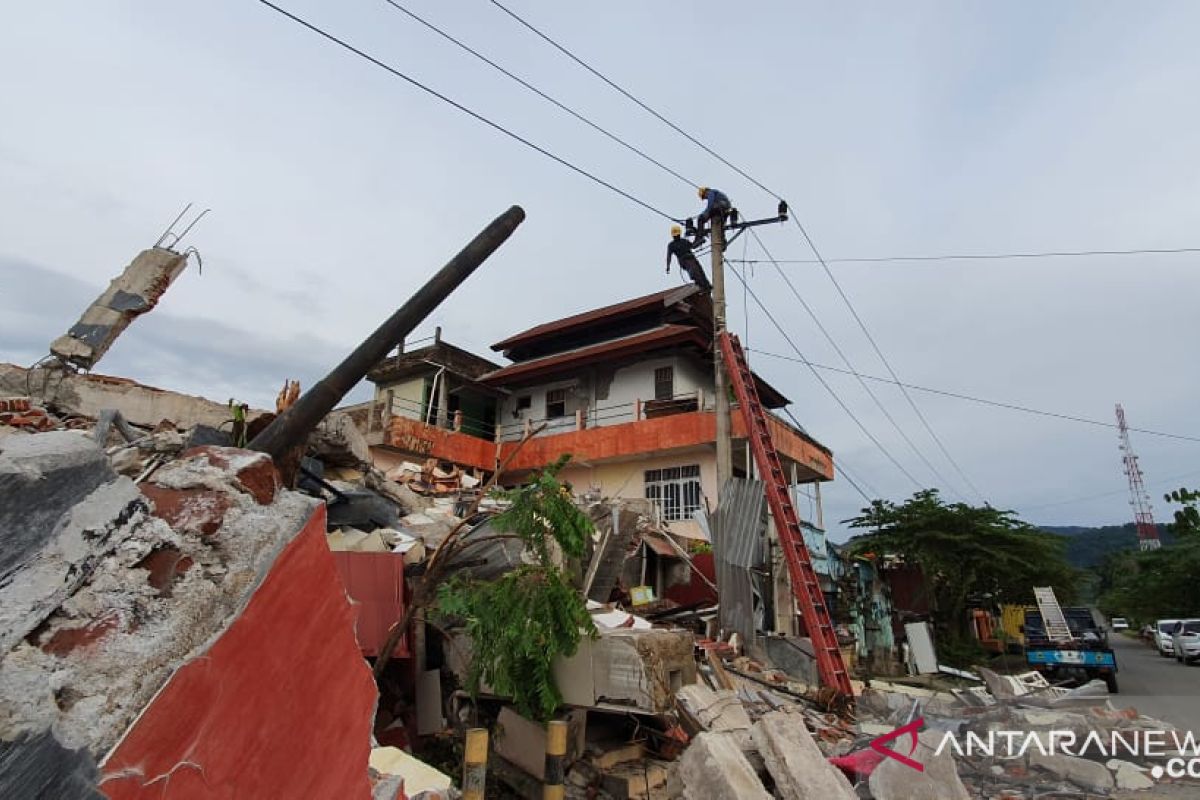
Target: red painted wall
(375, 583)
(281, 705)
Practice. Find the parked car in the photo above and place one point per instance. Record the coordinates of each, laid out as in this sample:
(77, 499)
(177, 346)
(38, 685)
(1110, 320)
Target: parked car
(1119, 623)
(1163, 629)
(1186, 640)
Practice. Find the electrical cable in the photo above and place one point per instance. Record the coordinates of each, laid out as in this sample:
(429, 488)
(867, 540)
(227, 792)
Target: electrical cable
(982, 400)
(628, 95)
(476, 115)
(540, 93)
(1124, 491)
(986, 256)
(820, 378)
(846, 360)
(776, 195)
(839, 465)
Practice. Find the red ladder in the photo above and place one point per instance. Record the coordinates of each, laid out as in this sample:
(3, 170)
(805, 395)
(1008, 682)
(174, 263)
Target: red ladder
(804, 580)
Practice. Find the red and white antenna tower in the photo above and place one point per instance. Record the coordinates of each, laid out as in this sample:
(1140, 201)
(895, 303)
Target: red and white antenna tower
(1147, 531)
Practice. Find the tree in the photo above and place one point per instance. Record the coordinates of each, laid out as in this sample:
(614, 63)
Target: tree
(965, 552)
(520, 623)
(1157, 584)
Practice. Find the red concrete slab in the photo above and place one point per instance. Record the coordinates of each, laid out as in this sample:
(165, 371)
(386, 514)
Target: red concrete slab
(375, 582)
(281, 705)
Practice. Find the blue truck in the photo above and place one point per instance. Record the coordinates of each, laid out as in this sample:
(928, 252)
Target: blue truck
(1086, 657)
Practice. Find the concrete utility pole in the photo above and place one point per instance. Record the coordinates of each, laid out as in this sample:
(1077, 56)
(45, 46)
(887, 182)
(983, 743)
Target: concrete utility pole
(724, 430)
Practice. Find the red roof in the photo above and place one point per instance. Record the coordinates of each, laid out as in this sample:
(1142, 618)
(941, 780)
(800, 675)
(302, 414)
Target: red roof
(607, 313)
(662, 336)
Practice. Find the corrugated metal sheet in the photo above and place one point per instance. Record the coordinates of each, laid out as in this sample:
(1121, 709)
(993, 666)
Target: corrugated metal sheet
(739, 546)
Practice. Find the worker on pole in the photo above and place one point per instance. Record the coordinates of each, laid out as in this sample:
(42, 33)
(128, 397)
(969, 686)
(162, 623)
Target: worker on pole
(681, 248)
(716, 204)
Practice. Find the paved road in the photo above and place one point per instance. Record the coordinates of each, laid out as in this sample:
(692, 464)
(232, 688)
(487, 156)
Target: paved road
(1156, 686)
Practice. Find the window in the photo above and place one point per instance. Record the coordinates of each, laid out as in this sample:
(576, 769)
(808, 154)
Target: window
(524, 401)
(675, 490)
(556, 403)
(664, 383)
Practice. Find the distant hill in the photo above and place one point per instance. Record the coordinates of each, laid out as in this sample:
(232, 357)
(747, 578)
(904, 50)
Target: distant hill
(1087, 547)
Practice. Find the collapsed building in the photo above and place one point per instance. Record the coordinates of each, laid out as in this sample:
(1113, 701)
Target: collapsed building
(180, 617)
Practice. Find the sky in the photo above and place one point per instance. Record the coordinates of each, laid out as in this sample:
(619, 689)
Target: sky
(891, 129)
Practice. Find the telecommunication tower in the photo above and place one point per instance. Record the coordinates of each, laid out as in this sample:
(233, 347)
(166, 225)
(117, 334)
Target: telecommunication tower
(1143, 520)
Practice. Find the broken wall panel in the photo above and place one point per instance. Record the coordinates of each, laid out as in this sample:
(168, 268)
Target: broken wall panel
(281, 704)
(131, 294)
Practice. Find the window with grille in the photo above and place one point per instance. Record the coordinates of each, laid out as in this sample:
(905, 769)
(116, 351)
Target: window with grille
(556, 403)
(675, 490)
(664, 383)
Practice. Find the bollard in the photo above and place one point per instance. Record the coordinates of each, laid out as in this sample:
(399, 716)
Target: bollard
(556, 756)
(475, 764)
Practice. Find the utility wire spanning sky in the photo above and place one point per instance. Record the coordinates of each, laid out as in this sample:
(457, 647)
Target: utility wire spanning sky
(931, 128)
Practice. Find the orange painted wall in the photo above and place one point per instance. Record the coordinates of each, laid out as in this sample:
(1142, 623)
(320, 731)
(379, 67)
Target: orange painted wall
(607, 442)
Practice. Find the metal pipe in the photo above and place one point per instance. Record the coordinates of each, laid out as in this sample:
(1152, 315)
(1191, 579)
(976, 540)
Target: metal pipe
(293, 426)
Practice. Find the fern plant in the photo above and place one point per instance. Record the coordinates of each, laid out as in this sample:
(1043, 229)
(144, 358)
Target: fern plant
(520, 623)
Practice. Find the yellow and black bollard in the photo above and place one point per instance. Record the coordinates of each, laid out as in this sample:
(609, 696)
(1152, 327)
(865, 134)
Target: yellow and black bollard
(556, 757)
(475, 764)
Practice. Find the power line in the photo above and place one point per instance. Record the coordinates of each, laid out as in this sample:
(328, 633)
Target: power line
(1163, 482)
(981, 400)
(539, 92)
(825, 383)
(846, 360)
(986, 256)
(776, 195)
(903, 390)
(839, 464)
(495, 125)
(630, 96)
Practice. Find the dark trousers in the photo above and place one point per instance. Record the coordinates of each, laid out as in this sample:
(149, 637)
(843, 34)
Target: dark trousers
(692, 267)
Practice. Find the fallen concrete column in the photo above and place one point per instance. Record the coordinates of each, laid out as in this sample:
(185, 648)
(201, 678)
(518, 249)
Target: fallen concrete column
(714, 768)
(795, 762)
(892, 780)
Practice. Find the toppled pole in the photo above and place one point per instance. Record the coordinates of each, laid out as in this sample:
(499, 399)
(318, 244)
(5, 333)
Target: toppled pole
(292, 427)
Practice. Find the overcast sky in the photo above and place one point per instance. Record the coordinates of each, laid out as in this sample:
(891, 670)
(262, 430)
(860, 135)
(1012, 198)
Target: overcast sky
(892, 129)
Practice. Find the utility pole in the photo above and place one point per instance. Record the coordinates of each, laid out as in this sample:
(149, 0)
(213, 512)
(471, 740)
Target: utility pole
(724, 432)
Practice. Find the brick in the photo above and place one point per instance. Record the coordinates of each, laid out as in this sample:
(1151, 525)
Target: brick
(165, 565)
(196, 511)
(66, 640)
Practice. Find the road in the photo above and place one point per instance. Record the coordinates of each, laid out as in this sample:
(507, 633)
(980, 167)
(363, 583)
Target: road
(1156, 686)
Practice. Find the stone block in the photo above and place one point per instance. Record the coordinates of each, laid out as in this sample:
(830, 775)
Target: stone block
(1079, 771)
(713, 710)
(892, 780)
(715, 768)
(795, 762)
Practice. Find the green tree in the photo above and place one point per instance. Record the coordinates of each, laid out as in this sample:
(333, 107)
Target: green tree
(1156, 584)
(965, 552)
(520, 623)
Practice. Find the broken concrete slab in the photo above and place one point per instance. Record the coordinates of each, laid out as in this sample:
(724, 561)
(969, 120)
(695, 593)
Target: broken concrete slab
(523, 741)
(1129, 776)
(41, 478)
(795, 762)
(1079, 771)
(892, 780)
(39, 766)
(337, 442)
(719, 710)
(715, 768)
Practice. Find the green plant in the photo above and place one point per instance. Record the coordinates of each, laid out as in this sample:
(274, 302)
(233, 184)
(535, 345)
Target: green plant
(520, 623)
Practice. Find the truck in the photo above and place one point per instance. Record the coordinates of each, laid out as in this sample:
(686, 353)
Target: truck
(1085, 656)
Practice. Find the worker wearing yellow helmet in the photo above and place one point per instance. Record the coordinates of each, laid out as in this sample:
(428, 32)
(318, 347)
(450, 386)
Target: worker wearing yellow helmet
(681, 248)
(716, 203)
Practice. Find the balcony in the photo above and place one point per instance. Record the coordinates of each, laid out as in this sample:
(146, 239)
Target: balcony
(604, 433)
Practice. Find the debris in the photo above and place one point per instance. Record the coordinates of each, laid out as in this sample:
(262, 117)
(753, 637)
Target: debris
(715, 768)
(795, 762)
(1079, 771)
(892, 780)
(418, 776)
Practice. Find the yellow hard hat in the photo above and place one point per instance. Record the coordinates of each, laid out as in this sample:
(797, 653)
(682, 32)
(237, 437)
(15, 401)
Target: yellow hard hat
(676, 230)
(702, 191)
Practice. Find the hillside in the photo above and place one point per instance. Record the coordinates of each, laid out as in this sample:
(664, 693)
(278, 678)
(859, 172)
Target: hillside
(1087, 547)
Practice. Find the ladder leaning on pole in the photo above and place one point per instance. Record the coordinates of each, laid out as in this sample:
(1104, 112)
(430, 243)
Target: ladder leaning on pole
(807, 590)
(1053, 619)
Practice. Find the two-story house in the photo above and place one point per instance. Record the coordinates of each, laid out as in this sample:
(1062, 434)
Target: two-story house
(626, 389)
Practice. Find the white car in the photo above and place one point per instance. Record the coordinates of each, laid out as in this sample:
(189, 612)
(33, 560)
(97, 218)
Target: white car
(1163, 629)
(1119, 623)
(1186, 640)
